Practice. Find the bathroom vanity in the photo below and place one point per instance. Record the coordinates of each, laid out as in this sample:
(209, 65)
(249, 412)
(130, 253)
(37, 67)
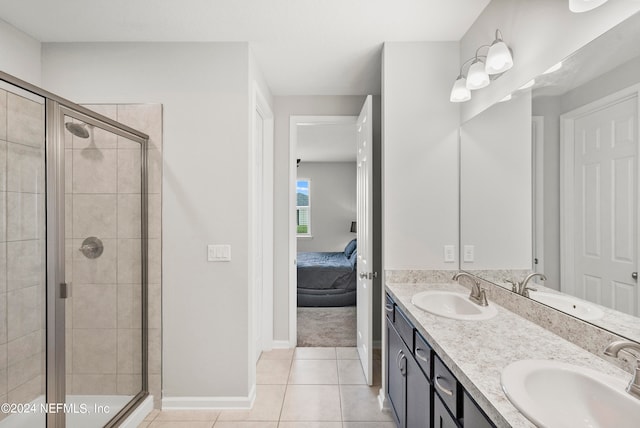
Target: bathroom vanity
(444, 372)
(422, 391)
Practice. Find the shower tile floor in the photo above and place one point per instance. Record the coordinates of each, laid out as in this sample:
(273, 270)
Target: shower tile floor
(301, 388)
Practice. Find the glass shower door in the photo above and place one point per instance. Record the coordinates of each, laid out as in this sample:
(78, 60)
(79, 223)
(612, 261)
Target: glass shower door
(105, 244)
(22, 257)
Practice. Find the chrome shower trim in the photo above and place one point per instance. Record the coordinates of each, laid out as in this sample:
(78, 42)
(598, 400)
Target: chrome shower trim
(65, 102)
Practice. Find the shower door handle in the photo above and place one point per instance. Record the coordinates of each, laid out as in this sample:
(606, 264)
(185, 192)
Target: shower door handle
(65, 290)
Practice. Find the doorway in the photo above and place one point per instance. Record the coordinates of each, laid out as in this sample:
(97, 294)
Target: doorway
(364, 275)
(600, 201)
(325, 210)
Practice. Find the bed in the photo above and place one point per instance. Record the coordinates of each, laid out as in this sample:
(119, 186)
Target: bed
(328, 279)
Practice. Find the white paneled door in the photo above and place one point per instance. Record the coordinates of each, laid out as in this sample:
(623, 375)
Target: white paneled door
(605, 201)
(365, 239)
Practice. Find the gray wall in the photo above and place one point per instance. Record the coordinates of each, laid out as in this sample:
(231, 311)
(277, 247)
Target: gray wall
(21, 54)
(333, 204)
(495, 186)
(205, 91)
(420, 154)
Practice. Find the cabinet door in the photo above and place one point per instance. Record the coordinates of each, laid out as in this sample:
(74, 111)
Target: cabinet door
(473, 416)
(418, 396)
(441, 417)
(396, 384)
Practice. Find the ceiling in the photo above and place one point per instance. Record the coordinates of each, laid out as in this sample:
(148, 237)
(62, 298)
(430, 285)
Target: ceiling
(304, 47)
(326, 142)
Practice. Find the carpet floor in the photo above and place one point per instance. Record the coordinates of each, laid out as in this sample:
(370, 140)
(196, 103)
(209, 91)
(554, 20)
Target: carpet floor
(334, 327)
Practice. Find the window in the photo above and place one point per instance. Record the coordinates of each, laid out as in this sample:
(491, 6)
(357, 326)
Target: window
(303, 207)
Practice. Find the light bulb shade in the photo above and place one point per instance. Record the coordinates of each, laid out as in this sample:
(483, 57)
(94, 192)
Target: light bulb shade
(459, 92)
(477, 77)
(579, 6)
(499, 58)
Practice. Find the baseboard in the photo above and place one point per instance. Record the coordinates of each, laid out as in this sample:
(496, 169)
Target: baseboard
(137, 416)
(382, 400)
(209, 403)
(281, 344)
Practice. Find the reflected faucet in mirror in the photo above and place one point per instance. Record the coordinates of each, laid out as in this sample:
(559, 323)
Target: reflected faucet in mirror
(478, 295)
(522, 288)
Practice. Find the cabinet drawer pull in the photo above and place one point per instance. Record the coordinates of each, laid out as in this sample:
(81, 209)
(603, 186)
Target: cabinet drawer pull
(403, 368)
(388, 307)
(425, 359)
(441, 388)
(398, 358)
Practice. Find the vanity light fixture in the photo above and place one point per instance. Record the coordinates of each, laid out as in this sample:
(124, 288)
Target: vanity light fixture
(579, 6)
(477, 77)
(507, 98)
(482, 70)
(499, 57)
(460, 93)
(553, 68)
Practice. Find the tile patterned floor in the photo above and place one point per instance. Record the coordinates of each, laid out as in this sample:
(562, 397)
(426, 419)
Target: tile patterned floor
(301, 388)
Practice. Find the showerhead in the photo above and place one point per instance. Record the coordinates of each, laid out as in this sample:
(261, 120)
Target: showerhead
(77, 129)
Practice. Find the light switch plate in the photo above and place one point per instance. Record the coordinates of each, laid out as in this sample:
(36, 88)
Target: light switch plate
(469, 253)
(449, 253)
(218, 253)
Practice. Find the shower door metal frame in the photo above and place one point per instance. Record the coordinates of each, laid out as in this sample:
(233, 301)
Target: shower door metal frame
(55, 110)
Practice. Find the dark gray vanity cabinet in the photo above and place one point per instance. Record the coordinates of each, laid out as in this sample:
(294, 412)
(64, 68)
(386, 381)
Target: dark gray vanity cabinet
(408, 387)
(396, 381)
(422, 391)
(419, 391)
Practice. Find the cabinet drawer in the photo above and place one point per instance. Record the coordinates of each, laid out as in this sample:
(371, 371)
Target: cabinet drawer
(404, 327)
(446, 385)
(423, 353)
(473, 416)
(389, 308)
(442, 418)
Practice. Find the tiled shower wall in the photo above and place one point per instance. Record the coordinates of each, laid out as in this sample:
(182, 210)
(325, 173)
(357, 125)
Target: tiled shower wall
(103, 194)
(22, 249)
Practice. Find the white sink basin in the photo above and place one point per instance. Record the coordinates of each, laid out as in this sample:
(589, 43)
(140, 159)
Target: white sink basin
(568, 304)
(452, 304)
(554, 394)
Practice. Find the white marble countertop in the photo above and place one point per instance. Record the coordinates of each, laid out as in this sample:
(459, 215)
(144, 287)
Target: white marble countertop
(477, 351)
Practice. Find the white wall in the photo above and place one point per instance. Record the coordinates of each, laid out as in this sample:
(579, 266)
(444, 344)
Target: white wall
(420, 154)
(540, 32)
(333, 204)
(495, 186)
(20, 54)
(205, 93)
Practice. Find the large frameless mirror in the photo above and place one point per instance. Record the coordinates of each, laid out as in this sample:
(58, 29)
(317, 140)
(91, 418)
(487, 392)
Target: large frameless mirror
(556, 169)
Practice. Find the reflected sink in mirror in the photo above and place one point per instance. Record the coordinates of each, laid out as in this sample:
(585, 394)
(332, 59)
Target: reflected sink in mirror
(568, 304)
(452, 304)
(555, 394)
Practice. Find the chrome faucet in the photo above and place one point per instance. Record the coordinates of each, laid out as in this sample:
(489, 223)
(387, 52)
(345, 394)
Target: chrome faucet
(478, 295)
(612, 351)
(523, 288)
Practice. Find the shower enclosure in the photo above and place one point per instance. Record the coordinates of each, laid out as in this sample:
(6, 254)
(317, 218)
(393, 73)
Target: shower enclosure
(73, 263)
